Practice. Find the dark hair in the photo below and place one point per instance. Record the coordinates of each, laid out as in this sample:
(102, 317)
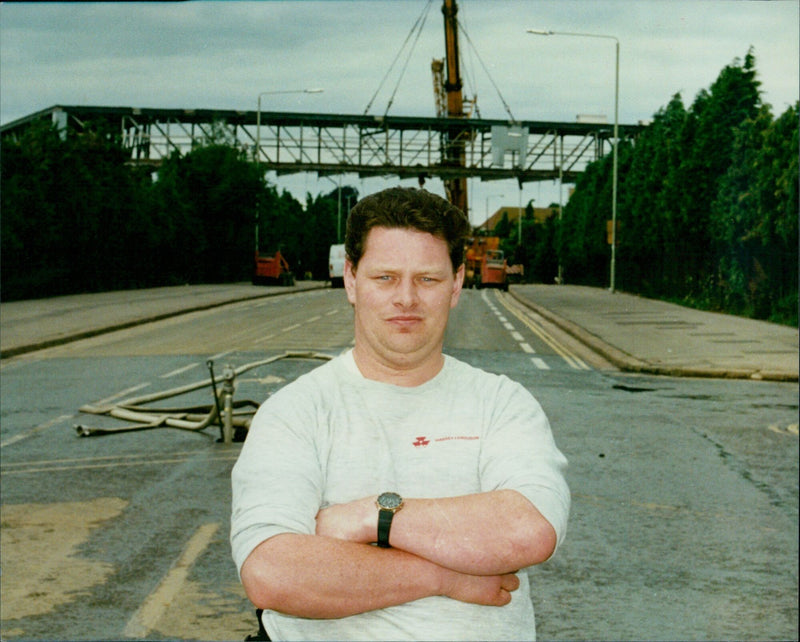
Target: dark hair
(407, 207)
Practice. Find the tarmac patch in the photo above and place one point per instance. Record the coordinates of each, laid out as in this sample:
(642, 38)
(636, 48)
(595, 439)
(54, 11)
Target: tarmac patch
(41, 569)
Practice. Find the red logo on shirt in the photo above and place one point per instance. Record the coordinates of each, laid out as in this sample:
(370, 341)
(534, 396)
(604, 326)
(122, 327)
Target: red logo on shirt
(421, 441)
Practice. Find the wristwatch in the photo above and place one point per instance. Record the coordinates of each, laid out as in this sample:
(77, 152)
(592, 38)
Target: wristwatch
(388, 504)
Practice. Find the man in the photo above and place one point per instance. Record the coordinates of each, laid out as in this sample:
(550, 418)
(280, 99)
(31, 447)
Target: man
(475, 481)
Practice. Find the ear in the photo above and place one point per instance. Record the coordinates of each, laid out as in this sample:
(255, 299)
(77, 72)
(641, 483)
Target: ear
(458, 284)
(350, 281)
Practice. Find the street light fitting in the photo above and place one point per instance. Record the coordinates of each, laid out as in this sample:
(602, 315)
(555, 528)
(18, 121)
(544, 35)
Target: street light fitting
(312, 90)
(542, 32)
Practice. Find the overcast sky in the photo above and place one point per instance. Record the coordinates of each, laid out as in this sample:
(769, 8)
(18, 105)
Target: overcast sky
(223, 54)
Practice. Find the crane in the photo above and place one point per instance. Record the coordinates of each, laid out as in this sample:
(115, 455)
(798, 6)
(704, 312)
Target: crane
(450, 102)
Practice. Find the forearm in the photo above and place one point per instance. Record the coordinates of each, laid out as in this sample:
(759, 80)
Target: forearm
(480, 534)
(320, 577)
(486, 533)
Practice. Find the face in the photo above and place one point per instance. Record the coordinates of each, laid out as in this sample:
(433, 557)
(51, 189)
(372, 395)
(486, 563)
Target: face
(402, 292)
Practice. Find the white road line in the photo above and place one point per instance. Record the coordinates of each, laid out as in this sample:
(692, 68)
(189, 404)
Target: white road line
(291, 327)
(539, 363)
(517, 310)
(508, 326)
(29, 433)
(154, 607)
(180, 371)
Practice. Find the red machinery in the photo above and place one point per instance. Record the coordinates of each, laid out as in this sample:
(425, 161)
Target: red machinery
(493, 270)
(272, 270)
(485, 264)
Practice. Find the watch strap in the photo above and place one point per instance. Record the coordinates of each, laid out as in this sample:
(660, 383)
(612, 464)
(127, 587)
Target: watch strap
(384, 526)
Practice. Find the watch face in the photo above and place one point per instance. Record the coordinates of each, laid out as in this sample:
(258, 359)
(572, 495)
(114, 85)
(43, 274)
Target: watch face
(390, 500)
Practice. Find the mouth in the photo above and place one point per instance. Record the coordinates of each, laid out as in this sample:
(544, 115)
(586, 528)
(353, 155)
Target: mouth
(405, 321)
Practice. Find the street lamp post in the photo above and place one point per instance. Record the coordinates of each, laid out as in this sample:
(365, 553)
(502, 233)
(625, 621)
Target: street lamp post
(539, 32)
(258, 129)
(487, 207)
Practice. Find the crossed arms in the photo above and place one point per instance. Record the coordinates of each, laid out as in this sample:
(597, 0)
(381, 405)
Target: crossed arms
(466, 548)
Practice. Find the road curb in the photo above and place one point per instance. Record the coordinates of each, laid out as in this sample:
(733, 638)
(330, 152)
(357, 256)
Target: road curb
(94, 332)
(628, 363)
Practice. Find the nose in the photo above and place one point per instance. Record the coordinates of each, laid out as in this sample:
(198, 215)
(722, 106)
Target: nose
(405, 294)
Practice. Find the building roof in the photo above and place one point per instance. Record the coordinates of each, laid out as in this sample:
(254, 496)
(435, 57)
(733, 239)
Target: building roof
(540, 215)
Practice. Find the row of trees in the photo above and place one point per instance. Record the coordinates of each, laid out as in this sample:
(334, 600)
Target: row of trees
(78, 218)
(707, 207)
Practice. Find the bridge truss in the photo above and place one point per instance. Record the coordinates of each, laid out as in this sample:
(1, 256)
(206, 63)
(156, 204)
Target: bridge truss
(288, 142)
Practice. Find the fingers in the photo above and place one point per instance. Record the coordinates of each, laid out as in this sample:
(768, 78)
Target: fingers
(509, 582)
(489, 590)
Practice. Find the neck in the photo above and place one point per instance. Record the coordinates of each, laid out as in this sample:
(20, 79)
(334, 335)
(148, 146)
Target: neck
(397, 372)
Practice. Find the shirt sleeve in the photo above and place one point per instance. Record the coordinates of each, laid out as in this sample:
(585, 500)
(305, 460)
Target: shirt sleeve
(276, 482)
(519, 453)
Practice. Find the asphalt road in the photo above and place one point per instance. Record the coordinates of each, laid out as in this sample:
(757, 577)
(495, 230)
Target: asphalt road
(685, 501)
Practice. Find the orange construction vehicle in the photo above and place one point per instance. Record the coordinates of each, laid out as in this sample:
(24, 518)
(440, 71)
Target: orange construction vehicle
(272, 270)
(493, 270)
(485, 264)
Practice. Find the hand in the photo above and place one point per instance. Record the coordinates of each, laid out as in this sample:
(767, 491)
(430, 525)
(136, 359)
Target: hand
(488, 590)
(355, 521)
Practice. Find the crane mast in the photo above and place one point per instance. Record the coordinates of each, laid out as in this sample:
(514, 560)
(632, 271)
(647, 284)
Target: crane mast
(453, 85)
(454, 143)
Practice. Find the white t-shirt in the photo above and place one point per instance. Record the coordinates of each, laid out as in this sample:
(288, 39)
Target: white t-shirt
(333, 436)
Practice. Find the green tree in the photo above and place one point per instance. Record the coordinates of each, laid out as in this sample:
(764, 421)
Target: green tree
(646, 247)
(543, 265)
(318, 231)
(28, 226)
(67, 202)
(707, 142)
(581, 237)
(207, 200)
(755, 216)
(503, 226)
(280, 221)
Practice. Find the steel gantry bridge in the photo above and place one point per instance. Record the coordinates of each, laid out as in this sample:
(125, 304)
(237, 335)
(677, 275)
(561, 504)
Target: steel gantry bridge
(407, 147)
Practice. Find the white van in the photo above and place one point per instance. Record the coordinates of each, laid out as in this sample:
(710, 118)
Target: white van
(336, 266)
